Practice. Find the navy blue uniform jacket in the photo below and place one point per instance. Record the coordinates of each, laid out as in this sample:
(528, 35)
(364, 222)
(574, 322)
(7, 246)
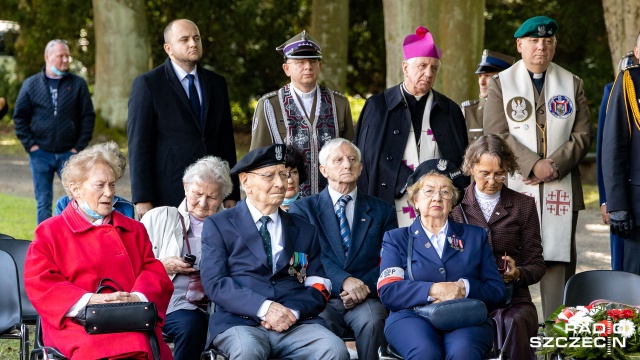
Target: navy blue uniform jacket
(236, 277)
(475, 263)
(165, 135)
(372, 217)
(382, 133)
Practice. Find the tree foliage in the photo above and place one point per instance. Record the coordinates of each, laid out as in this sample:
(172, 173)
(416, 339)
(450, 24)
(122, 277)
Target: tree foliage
(240, 37)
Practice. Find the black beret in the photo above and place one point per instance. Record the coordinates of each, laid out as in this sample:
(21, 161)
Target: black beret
(440, 166)
(259, 158)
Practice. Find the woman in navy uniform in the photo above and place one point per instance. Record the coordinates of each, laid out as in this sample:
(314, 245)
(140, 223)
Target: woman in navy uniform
(449, 261)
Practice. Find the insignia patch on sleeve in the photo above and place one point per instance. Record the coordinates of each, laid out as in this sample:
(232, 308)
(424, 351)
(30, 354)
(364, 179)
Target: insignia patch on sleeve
(390, 275)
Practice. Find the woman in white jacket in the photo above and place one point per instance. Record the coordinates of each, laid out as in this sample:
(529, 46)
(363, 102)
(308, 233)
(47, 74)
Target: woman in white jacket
(175, 235)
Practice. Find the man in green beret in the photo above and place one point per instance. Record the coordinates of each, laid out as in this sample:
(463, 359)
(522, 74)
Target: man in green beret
(491, 63)
(302, 113)
(540, 109)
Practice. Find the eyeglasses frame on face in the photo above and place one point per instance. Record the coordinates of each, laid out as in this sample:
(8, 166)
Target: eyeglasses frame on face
(450, 191)
(496, 178)
(270, 177)
(300, 62)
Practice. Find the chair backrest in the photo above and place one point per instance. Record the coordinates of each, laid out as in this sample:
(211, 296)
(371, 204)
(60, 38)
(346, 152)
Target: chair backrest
(617, 286)
(18, 249)
(5, 236)
(10, 310)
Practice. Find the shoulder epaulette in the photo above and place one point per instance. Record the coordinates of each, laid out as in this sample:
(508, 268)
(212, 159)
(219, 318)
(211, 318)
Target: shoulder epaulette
(469, 103)
(339, 94)
(268, 95)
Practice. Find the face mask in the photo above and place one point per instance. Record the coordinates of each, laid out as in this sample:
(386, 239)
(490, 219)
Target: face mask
(87, 210)
(288, 201)
(56, 71)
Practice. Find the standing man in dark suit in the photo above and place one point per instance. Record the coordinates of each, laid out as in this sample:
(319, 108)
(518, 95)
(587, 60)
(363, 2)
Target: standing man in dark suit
(262, 269)
(351, 225)
(620, 165)
(179, 112)
(408, 124)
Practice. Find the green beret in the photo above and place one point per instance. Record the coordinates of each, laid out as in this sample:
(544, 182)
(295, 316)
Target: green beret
(537, 27)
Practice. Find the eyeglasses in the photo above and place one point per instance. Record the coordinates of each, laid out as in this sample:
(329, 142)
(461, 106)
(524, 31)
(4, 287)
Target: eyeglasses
(301, 62)
(446, 194)
(497, 178)
(503, 269)
(271, 176)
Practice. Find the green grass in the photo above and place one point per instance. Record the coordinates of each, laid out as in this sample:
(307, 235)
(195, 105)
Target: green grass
(17, 216)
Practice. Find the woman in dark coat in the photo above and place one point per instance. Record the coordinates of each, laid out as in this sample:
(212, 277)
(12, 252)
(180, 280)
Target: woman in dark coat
(514, 235)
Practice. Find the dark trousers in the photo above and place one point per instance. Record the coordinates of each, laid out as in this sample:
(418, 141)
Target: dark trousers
(188, 329)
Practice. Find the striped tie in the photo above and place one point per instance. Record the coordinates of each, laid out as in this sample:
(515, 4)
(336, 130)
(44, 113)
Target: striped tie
(345, 232)
(266, 240)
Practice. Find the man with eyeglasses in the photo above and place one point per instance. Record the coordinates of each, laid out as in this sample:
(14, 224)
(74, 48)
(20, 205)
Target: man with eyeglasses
(302, 113)
(351, 226)
(540, 109)
(261, 268)
(54, 119)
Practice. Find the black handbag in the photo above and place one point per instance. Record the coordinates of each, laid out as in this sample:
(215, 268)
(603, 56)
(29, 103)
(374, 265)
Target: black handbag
(120, 317)
(450, 314)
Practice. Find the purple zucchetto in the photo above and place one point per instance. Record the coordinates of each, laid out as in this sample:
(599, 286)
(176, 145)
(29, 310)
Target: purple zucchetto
(420, 44)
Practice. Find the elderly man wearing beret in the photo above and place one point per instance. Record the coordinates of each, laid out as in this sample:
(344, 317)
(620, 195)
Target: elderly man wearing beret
(261, 267)
(491, 63)
(406, 125)
(540, 109)
(302, 113)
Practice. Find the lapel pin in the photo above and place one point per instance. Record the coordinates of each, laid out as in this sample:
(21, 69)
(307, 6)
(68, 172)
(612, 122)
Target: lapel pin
(417, 232)
(428, 245)
(363, 220)
(497, 213)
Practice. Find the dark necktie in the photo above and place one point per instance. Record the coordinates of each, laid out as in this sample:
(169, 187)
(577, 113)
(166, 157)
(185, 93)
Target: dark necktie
(194, 98)
(345, 232)
(266, 240)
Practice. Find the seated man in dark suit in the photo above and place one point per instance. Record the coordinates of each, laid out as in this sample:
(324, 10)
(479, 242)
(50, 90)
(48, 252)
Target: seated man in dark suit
(351, 225)
(262, 269)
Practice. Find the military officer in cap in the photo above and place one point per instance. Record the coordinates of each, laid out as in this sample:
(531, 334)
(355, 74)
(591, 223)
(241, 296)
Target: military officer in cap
(540, 109)
(491, 63)
(302, 113)
(620, 163)
(262, 269)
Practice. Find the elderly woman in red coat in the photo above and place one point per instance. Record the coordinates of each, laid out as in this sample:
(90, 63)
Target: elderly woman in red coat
(71, 253)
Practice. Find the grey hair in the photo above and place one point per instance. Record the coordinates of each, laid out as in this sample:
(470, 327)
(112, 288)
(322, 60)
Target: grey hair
(78, 167)
(333, 144)
(410, 61)
(212, 170)
(52, 43)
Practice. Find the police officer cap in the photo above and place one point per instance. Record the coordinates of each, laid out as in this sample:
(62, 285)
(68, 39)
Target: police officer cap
(440, 166)
(537, 27)
(493, 61)
(259, 158)
(301, 46)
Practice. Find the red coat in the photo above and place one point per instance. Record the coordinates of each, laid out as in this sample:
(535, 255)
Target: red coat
(67, 259)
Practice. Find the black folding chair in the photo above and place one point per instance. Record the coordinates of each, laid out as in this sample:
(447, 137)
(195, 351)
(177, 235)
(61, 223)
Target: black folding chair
(41, 352)
(11, 324)
(618, 286)
(18, 250)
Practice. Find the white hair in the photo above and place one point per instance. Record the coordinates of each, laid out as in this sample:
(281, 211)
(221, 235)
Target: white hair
(52, 43)
(332, 145)
(212, 170)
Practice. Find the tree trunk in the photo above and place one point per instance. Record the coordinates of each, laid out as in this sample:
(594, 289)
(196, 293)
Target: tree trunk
(330, 27)
(622, 19)
(457, 28)
(122, 53)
